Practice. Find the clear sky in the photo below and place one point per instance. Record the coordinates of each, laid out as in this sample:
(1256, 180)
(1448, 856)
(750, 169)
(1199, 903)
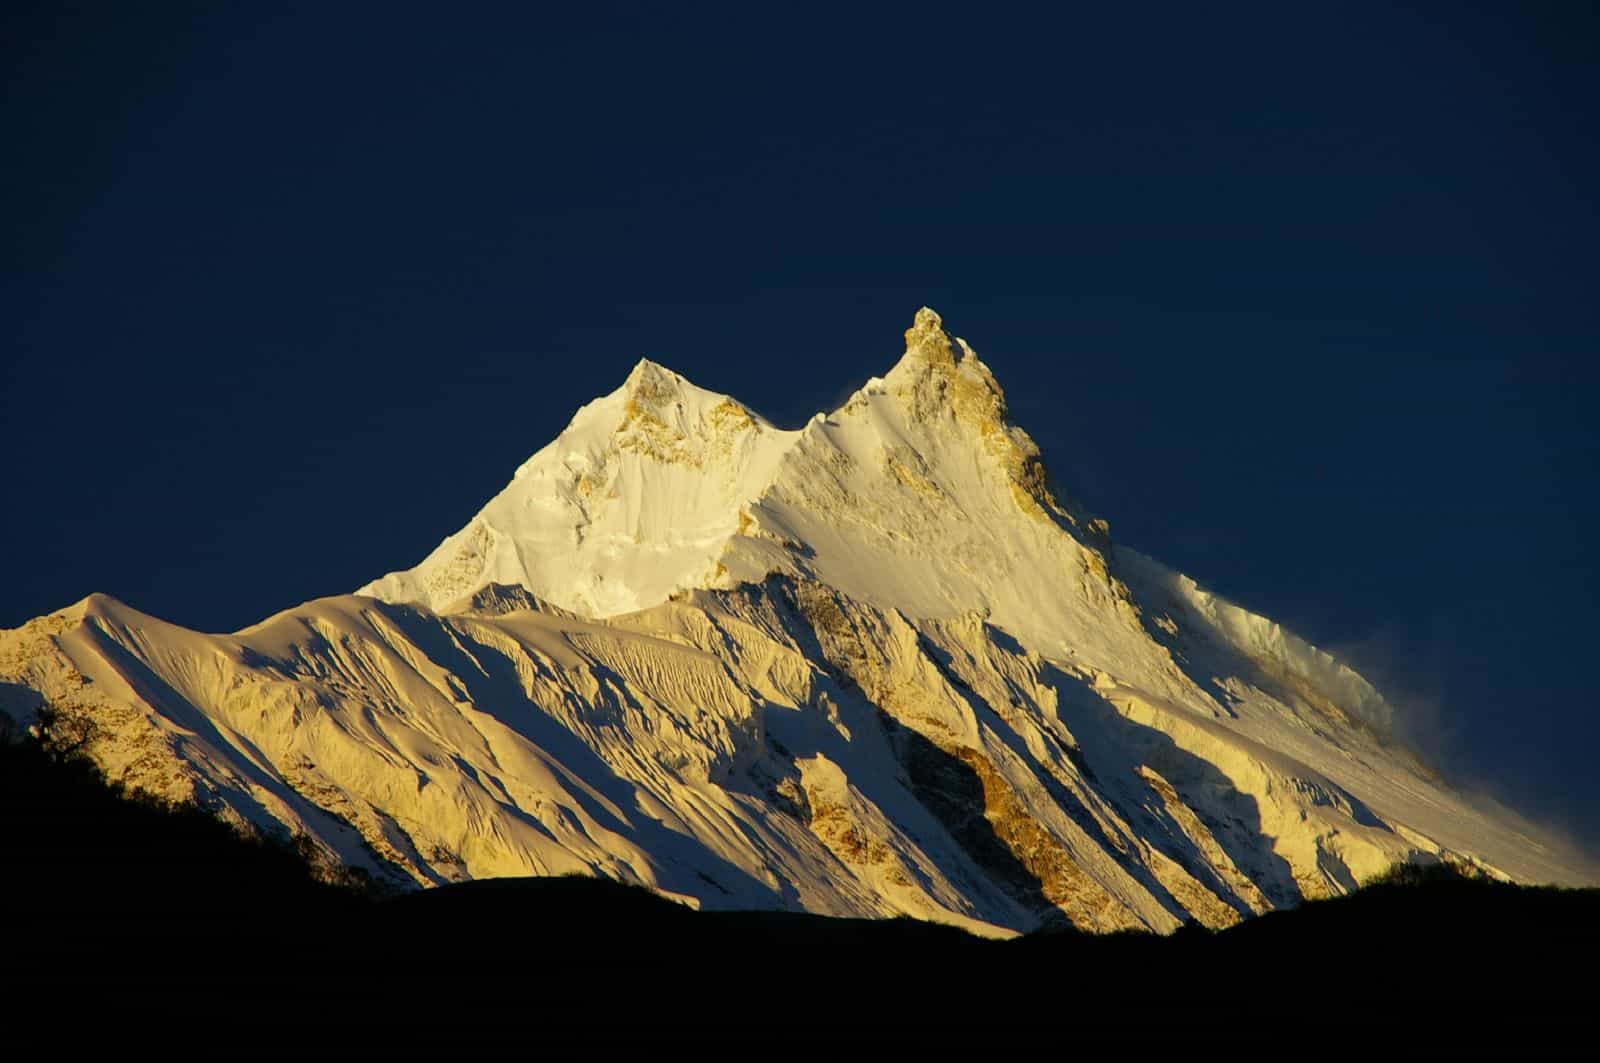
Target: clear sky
(1301, 297)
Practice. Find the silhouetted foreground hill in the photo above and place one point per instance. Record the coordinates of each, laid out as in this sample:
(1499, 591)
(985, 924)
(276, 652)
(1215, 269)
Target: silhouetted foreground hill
(127, 925)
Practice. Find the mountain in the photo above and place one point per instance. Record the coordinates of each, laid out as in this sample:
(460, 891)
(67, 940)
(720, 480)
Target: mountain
(877, 665)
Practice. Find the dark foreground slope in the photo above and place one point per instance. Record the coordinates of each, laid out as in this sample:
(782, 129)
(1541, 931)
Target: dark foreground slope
(126, 925)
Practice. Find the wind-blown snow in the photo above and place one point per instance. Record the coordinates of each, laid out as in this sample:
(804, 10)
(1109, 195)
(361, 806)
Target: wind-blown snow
(876, 665)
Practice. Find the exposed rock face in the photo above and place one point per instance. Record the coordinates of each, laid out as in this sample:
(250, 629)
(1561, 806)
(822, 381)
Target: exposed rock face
(870, 667)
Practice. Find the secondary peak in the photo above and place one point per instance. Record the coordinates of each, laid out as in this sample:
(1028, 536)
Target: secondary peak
(653, 385)
(645, 372)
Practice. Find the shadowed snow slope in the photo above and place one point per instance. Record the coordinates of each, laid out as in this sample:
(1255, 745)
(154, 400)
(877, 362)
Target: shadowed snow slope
(873, 666)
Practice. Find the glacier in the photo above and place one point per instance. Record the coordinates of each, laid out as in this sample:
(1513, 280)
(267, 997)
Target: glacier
(877, 665)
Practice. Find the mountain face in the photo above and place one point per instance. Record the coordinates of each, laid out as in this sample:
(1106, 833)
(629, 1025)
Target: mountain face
(873, 666)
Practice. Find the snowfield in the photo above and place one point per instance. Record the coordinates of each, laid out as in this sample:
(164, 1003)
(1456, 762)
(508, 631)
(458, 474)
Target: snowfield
(873, 666)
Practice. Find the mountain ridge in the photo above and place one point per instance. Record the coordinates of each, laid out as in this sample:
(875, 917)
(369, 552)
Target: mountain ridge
(876, 665)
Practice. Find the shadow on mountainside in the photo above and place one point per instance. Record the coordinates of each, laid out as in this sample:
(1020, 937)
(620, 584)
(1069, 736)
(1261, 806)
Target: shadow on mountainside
(945, 786)
(1115, 746)
(1030, 864)
(953, 792)
(496, 688)
(1178, 846)
(172, 704)
(125, 925)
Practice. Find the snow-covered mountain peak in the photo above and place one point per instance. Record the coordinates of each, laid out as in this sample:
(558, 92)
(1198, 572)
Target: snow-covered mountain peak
(653, 384)
(663, 485)
(631, 502)
(873, 666)
(645, 369)
(941, 376)
(926, 339)
(669, 419)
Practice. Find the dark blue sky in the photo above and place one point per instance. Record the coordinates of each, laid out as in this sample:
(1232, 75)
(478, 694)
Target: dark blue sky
(1300, 297)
